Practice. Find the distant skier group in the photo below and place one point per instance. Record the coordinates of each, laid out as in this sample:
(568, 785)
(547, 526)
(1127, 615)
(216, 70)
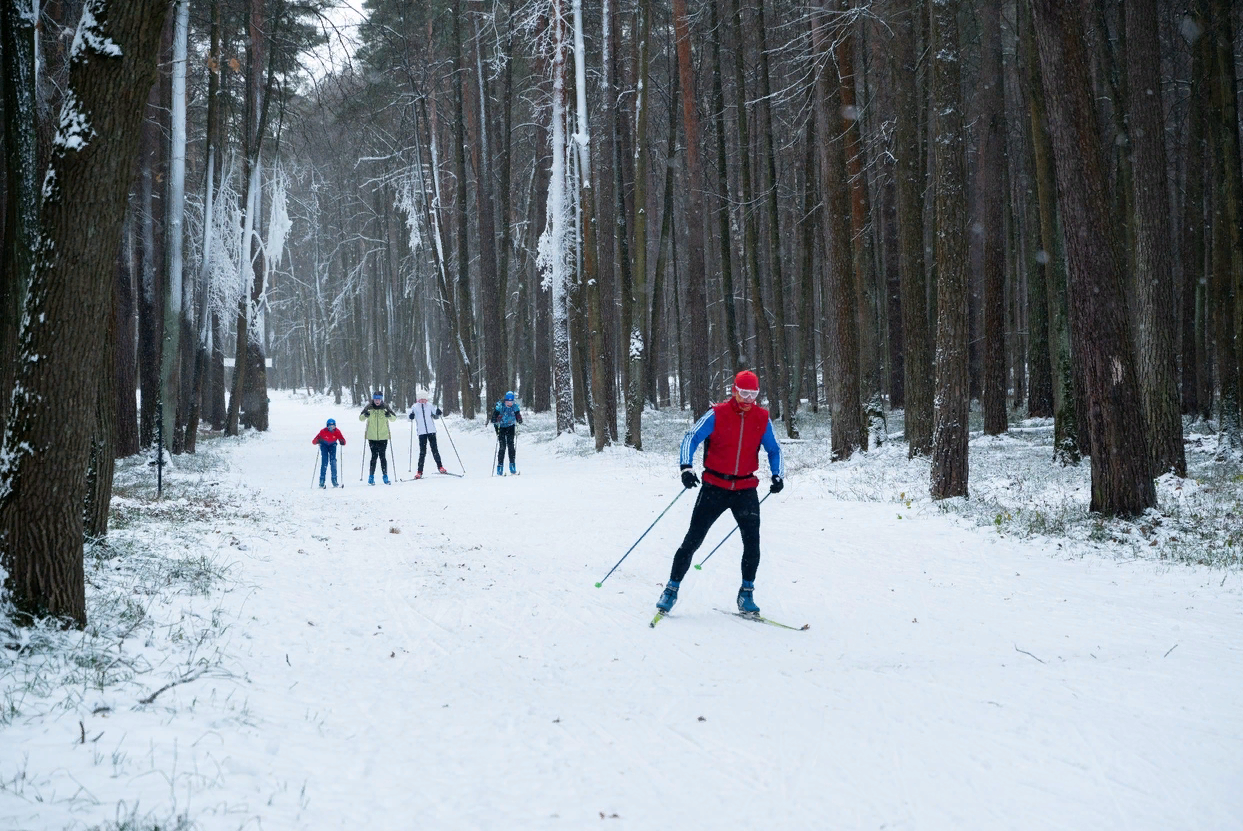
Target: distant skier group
(732, 434)
(378, 415)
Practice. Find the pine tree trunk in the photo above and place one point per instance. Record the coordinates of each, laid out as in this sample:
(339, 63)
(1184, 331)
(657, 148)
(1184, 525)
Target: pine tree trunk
(555, 249)
(170, 353)
(640, 302)
(781, 382)
(750, 242)
(103, 455)
(1194, 228)
(41, 517)
(950, 412)
(847, 429)
(917, 363)
(1099, 322)
(1228, 305)
(21, 210)
(126, 383)
(1066, 444)
(465, 321)
(150, 284)
(491, 298)
(1153, 233)
(990, 221)
(698, 380)
(724, 235)
(587, 199)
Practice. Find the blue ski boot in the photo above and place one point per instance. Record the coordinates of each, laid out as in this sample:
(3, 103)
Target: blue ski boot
(513, 468)
(386, 480)
(500, 470)
(371, 479)
(668, 597)
(746, 603)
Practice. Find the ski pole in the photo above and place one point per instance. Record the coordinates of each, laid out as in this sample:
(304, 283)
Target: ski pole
(362, 463)
(445, 424)
(640, 539)
(410, 461)
(496, 451)
(317, 453)
(700, 564)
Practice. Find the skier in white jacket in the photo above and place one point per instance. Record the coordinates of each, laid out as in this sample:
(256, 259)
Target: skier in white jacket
(424, 414)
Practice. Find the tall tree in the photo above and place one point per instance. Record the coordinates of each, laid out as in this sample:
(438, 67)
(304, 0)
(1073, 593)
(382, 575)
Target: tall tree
(1100, 329)
(111, 68)
(1051, 255)
(21, 211)
(1227, 299)
(1152, 232)
(170, 356)
(724, 237)
(990, 220)
(950, 413)
(554, 245)
(917, 363)
(697, 380)
(637, 344)
(847, 430)
(587, 198)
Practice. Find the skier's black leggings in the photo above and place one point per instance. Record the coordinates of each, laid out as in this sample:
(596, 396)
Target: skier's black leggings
(505, 439)
(713, 502)
(424, 440)
(379, 448)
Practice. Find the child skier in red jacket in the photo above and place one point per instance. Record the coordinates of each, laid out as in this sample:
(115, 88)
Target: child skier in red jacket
(328, 439)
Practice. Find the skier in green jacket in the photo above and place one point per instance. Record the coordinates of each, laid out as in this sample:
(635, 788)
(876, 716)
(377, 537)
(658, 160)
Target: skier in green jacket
(377, 414)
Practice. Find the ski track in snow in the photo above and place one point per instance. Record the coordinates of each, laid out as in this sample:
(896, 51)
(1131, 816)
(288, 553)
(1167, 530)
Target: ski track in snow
(520, 696)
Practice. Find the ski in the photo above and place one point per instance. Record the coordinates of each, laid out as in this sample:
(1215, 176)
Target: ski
(659, 617)
(759, 619)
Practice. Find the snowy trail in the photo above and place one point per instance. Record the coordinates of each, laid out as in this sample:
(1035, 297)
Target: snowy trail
(465, 673)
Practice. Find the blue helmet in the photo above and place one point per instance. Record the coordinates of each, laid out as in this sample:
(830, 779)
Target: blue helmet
(332, 422)
(509, 396)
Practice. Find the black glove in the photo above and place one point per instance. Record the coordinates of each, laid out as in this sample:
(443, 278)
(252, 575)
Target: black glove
(777, 485)
(412, 416)
(497, 428)
(366, 409)
(689, 479)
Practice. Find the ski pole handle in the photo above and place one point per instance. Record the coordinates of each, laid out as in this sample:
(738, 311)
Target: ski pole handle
(699, 566)
(640, 539)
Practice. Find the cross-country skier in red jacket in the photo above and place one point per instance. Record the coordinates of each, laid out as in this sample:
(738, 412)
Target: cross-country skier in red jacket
(328, 439)
(732, 434)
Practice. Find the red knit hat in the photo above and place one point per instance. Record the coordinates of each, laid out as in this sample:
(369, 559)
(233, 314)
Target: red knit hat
(746, 380)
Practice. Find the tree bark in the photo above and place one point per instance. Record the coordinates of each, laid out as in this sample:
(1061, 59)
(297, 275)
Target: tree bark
(126, 383)
(1194, 368)
(750, 240)
(83, 209)
(950, 412)
(170, 353)
(465, 323)
(1066, 445)
(640, 303)
(724, 237)
(1100, 329)
(847, 430)
(1152, 233)
(990, 220)
(1228, 307)
(21, 211)
(917, 364)
(698, 383)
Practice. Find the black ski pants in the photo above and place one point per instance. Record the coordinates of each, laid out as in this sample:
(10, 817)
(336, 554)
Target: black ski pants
(426, 439)
(379, 448)
(505, 439)
(712, 502)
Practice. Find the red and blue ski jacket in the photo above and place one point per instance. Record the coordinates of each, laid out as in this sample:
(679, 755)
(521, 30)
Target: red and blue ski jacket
(732, 439)
(326, 436)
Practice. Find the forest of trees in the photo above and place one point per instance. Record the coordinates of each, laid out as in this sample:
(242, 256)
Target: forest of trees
(908, 205)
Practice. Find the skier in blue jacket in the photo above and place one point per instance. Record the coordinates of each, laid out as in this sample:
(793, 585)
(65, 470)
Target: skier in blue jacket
(505, 416)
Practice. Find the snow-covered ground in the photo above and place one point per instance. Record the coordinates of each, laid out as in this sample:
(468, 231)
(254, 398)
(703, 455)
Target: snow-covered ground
(434, 654)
